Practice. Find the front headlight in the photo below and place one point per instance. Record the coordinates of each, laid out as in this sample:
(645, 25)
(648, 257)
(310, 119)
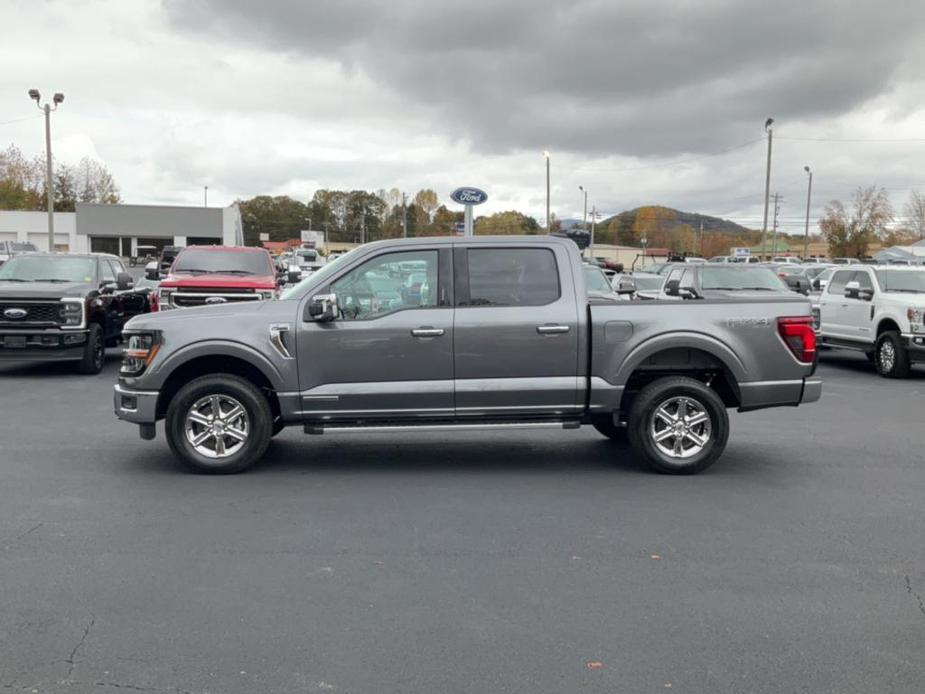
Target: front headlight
(72, 313)
(916, 318)
(163, 299)
(140, 352)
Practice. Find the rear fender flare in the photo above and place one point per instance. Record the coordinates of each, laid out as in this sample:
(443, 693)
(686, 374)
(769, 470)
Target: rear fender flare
(689, 340)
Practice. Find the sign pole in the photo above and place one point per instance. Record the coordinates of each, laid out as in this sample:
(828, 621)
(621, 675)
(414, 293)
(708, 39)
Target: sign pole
(467, 220)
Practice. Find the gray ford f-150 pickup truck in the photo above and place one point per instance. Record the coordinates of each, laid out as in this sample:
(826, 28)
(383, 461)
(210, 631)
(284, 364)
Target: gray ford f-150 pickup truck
(463, 334)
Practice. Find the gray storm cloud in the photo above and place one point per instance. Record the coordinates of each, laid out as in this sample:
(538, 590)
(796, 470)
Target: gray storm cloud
(631, 78)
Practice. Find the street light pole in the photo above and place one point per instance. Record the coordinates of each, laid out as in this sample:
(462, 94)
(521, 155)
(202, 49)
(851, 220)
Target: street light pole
(49, 187)
(767, 186)
(584, 216)
(809, 195)
(548, 222)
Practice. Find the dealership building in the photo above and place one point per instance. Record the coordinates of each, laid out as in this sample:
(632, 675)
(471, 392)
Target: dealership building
(120, 229)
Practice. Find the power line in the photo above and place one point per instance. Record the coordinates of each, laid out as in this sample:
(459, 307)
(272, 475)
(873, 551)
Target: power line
(19, 120)
(852, 139)
(676, 162)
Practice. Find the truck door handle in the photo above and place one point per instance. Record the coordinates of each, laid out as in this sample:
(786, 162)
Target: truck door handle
(552, 329)
(427, 332)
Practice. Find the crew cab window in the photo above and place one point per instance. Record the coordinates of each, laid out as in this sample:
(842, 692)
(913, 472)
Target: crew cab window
(388, 283)
(839, 280)
(106, 273)
(512, 277)
(863, 279)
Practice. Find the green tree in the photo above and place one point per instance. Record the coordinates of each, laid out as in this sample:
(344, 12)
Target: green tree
(445, 221)
(281, 217)
(506, 223)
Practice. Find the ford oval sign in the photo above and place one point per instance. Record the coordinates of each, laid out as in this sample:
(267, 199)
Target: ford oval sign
(213, 300)
(15, 313)
(469, 196)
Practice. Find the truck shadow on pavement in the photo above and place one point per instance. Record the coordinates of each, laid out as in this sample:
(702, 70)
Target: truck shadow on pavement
(854, 362)
(291, 454)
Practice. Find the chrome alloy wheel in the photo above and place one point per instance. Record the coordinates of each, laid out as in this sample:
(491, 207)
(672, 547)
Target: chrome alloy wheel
(680, 427)
(887, 356)
(217, 426)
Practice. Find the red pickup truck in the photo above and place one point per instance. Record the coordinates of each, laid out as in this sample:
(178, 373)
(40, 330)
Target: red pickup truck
(208, 275)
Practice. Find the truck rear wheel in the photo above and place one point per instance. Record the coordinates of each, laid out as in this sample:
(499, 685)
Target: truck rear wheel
(219, 424)
(678, 426)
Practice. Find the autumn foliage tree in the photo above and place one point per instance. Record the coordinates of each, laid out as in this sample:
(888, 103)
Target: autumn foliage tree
(849, 231)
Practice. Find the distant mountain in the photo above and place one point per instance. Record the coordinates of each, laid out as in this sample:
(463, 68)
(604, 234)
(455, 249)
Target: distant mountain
(668, 219)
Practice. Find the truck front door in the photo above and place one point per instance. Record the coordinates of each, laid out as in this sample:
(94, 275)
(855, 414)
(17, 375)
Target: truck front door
(389, 354)
(516, 331)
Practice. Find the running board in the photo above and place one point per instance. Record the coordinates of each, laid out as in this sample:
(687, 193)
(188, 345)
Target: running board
(334, 428)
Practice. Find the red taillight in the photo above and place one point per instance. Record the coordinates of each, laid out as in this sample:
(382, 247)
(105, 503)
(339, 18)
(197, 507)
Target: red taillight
(798, 334)
(152, 300)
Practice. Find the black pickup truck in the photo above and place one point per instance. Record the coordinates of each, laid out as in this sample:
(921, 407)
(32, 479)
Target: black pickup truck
(65, 307)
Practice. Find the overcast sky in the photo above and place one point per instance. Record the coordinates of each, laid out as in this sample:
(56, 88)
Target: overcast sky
(633, 99)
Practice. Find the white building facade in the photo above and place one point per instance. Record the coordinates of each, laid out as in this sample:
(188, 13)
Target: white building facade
(120, 229)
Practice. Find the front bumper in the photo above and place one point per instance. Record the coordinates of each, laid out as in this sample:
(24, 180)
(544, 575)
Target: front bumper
(915, 346)
(137, 406)
(42, 344)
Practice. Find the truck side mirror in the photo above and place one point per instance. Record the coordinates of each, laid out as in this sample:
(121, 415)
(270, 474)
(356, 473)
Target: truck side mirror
(673, 287)
(152, 272)
(323, 308)
(626, 286)
(124, 281)
(852, 289)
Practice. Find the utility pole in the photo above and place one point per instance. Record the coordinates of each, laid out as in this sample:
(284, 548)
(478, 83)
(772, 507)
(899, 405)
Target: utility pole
(548, 218)
(701, 238)
(777, 198)
(767, 185)
(593, 225)
(49, 186)
(404, 216)
(584, 217)
(809, 195)
(363, 227)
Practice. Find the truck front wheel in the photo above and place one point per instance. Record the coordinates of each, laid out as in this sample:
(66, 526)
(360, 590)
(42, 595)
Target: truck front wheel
(891, 358)
(678, 426)
(219, 424)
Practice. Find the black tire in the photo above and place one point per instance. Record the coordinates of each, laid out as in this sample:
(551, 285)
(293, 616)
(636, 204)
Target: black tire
(259, 420)
(605, 426)
(94, 357)
(642, 423)
(891, 357)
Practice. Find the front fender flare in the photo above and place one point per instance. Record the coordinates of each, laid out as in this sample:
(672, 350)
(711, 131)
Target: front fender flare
(211, 348)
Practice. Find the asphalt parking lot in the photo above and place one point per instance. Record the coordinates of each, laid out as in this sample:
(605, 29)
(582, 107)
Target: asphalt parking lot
(512, 562)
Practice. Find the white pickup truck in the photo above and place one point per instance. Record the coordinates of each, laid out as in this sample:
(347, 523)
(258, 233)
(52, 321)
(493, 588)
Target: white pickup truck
(879, 310)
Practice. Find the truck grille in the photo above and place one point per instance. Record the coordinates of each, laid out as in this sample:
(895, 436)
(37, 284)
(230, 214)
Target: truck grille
(189, 298)
(37, 313)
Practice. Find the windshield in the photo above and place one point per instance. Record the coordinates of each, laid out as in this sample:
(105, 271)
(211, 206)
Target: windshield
(596, 280)
(742, 278)
(321, 276)
(911, 281)
(308, 254)
(223, 262)
(49, 268)
(644, 283)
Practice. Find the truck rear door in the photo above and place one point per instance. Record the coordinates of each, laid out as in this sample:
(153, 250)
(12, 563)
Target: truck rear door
(516, 331)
